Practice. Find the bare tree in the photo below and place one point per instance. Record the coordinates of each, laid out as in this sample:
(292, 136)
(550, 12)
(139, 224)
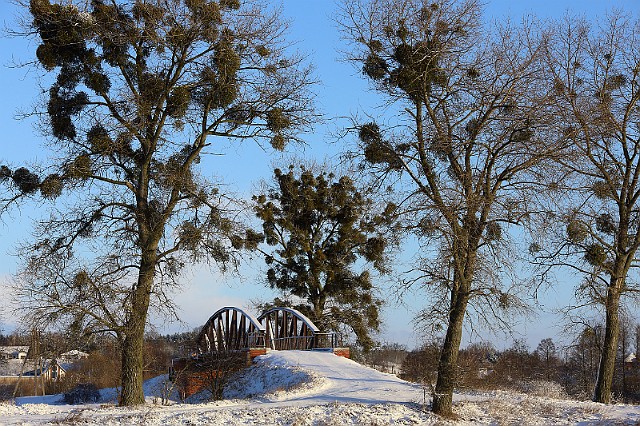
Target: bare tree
(548, 354)
(142, 92)
(464, 140)
(594, 73)
(582, 359)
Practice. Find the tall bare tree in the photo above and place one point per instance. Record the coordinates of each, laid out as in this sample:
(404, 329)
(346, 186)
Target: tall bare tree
(463, 141)
(142, 91)
(547, 353)
(594, 72)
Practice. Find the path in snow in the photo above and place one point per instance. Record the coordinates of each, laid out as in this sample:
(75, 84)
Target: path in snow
(345, 381)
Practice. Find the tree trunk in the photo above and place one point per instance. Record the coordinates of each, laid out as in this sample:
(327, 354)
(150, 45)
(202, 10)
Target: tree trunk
(606, 369)
(448, 365)
(623, 342)
(318, 302)
(132, 364)
(133, 345)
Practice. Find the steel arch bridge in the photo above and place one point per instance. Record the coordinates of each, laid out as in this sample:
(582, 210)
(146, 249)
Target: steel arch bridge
(280, 328)
(231, 338)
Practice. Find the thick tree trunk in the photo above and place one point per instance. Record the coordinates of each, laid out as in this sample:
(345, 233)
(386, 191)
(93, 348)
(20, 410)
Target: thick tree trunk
(606, 369)
(623, 349)
(132, 350)
(132, 364)
(448, 364)
(318, 302)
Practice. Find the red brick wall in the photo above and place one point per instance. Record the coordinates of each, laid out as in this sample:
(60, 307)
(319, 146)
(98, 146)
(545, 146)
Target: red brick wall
(191, 379)
(343, 352)
(195, 381)
(256, 352)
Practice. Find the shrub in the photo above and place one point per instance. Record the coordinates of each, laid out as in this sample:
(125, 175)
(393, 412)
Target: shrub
(543, 388)
(83, 392)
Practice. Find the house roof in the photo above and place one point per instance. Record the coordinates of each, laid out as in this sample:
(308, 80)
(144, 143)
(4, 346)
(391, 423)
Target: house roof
(74, 354)
(13, 349)
(12, 367)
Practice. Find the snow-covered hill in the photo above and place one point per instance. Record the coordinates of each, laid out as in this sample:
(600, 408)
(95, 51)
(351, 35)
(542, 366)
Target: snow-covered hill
(318, 388)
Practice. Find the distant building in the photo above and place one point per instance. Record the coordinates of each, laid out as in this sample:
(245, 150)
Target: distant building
(74, 355)
(14, 362)
(630, 359)
(13, 352)
(631, 362)
(50, 370)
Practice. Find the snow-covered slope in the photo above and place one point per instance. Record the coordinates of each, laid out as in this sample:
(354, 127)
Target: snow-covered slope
(318, 388)
(336, 380)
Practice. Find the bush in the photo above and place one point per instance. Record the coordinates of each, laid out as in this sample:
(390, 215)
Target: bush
(6, 392)
(83, 392)
(543, 388)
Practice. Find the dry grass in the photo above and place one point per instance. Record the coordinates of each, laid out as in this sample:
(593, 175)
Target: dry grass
(8, 384)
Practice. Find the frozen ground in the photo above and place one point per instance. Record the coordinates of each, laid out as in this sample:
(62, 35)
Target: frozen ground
(316, 388)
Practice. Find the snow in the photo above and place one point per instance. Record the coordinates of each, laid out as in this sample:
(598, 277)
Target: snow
(317, 388)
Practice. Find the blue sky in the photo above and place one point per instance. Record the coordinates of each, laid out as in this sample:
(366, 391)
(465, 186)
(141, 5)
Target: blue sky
(342, 92)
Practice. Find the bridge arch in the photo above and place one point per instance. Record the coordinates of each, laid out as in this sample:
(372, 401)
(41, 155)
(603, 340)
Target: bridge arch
(288, 328)
(230, 329)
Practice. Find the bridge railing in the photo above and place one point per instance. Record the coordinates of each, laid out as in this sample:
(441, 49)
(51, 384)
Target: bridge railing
(256, 339)
(315, 341)
(325, 340)
(292, 343)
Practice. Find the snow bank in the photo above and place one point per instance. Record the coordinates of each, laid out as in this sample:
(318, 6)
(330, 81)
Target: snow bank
(273, 380)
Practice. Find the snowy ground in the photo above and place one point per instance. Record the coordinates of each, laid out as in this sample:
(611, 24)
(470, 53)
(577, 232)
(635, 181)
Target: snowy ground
(316, 388)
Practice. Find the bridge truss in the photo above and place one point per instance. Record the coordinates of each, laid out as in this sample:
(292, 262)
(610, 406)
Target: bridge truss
(280, 328)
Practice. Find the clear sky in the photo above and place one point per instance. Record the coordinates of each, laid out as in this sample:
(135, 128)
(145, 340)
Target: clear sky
(342, 92)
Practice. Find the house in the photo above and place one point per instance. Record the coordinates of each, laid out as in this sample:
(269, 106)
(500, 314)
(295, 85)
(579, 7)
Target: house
(631, 363)
(14, 362)
(50, 370)
(74, 355)
(13, 352)
(12, 359)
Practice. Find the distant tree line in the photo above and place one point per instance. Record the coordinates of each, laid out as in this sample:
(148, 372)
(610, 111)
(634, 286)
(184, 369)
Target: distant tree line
(548, 370)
